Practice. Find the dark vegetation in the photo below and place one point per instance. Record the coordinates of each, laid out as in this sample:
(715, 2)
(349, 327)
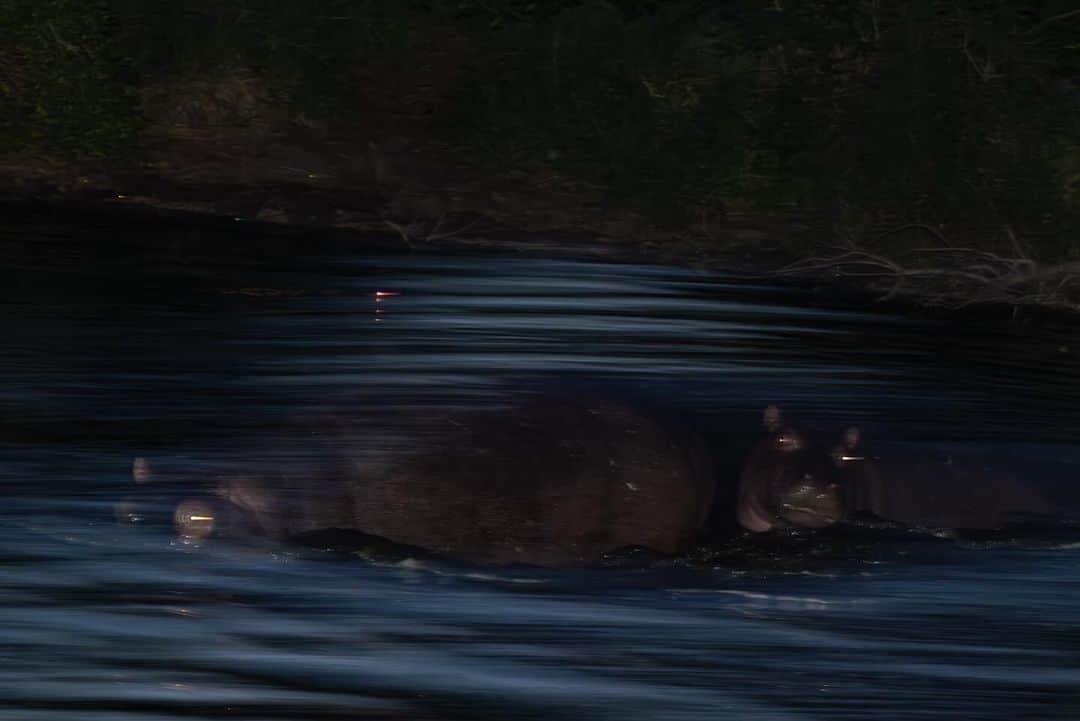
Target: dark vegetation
(936, 143)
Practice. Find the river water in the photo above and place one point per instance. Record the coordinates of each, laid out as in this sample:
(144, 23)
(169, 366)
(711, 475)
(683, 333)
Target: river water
(182, 345)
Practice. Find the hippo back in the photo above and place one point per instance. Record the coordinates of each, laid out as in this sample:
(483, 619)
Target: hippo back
(945, 486)
(548, 483)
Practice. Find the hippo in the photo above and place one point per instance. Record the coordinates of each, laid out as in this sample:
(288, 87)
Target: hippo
(550, 482)
(786, 481)
(945, 485)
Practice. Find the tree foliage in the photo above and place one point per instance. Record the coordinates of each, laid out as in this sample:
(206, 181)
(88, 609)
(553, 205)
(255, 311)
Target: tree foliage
(62, 79)
(925, 110)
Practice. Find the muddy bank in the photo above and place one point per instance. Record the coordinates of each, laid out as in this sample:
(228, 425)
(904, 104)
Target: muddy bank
(354, 179)
(405, 196)
(744, 136)
(439, 203)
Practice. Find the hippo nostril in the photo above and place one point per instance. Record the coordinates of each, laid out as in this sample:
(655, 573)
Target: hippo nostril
(194, 519)
(128, 512)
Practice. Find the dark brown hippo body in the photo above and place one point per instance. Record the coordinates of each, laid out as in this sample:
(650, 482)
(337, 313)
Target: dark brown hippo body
(542, 482)
(567, 481)
(947, 486)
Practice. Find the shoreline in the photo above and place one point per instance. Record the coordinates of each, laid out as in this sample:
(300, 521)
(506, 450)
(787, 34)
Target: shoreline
(769, 247)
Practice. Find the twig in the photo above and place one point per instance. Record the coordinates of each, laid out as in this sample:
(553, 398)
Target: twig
(409, 232)
(973, 276)
(434, 236)
(1053, 19)
(1015, 243)
(73, 49)
(918, 226)
(400, 231)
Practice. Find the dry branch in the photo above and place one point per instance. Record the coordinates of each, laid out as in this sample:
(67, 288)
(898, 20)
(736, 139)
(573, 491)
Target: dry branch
(950, 276)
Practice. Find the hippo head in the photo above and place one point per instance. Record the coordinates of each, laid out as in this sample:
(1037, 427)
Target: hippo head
(791, 479)
(197, 508)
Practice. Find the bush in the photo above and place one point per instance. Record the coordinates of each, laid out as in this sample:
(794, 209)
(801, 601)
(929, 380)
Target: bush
(64, 85)
(930, 111)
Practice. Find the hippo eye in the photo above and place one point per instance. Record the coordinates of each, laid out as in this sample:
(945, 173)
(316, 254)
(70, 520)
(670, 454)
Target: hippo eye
(788, 441)
(842, 455)
(852, 437)
(771, 418)
(194, 520)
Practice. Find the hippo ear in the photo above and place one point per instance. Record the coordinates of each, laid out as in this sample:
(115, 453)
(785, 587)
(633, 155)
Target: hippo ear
(141, 470)
(852, 438)
(772, 418)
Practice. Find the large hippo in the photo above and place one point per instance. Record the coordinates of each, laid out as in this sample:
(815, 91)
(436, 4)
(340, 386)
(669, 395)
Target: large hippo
(548, 482)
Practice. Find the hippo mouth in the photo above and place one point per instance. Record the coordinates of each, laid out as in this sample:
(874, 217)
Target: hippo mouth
(806, 510)
(194, 519)
(823, 518)
(810, 505)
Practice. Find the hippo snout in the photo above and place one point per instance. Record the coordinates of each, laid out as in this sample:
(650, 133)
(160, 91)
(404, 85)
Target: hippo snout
(788, 481)
(811, 503)
(195, 519)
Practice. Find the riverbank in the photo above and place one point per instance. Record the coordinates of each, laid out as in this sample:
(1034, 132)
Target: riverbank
(426, 198)
(799, 142)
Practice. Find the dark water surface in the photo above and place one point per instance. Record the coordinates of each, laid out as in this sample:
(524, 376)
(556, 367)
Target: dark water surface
(196, 349)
